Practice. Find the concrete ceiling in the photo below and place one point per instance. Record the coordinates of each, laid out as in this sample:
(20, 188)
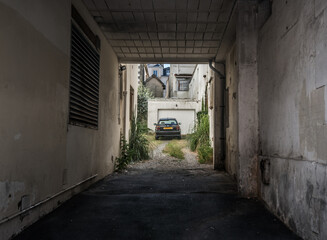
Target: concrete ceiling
(161, 31)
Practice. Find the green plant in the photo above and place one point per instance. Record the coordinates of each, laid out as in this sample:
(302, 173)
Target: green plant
(138, 143)
(143, 95)
(125, 156)
(200, 140)
(174, 149)
(193, 141)
(137, 149)
(205, 153)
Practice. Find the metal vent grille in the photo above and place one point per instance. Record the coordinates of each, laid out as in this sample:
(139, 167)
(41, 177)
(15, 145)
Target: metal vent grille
(84, 81)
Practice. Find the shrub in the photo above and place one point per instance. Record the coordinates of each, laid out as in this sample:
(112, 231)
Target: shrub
(200, 140)
(143, 94)
(137, 149)
(138, 143)
(125, 156)
(205, 153)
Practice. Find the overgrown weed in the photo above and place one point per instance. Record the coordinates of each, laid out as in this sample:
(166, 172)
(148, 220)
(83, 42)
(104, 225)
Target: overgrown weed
(174, 149)
(200, 140)
(136, 149)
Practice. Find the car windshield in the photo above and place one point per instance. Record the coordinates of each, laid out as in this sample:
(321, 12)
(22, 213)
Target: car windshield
(168, 122)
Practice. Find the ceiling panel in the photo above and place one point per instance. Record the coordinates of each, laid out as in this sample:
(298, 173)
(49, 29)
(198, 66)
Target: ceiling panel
(204, 5)
(164, 5)
(181, 43)
(90, 5)
(181, 4)
(145, 4)
(157, 50)
(129, 43)
(193, 4)
(133, 50)
(101, 5)
(181, 50)
(153, 35)
(147, 43)
(138, 43)
(164, 43)
(208, 35)
(155, 43)
(159, 29)
(180, 35)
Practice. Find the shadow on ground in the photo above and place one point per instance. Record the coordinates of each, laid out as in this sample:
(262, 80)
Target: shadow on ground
(159, 204)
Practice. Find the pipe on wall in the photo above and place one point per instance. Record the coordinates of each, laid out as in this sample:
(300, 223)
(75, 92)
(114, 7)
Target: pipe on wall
(219, 151)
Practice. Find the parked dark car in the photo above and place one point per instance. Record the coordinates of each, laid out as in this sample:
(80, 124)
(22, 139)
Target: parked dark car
(168, 127)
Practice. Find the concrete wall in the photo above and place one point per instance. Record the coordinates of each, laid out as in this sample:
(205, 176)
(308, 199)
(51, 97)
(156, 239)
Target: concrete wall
(41, 155)
(292, 106)
(247, 98)
(232, 113)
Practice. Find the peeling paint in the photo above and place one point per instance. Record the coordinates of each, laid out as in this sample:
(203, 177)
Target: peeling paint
(10, 190)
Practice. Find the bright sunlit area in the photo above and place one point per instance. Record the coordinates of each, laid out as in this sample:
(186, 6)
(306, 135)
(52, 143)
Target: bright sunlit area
(174, 115)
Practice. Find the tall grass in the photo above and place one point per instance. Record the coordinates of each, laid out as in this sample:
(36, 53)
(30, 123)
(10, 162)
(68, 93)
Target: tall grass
(136, 149)
(138, 143)
(174, 149)
(125, 156)
(200, 140)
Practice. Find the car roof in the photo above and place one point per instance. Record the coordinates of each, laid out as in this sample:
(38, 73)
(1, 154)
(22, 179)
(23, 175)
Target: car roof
(165, 119)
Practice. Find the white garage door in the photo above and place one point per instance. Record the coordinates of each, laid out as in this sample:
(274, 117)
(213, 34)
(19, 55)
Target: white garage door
(187, 117)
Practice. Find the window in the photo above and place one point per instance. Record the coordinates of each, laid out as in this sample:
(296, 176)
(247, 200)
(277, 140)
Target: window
(168, 122)
(183, 85)
(84, 78)
(155, 72)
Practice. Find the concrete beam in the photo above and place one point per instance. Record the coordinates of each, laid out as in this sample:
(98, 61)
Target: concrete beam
(165, 60)
(246, 42)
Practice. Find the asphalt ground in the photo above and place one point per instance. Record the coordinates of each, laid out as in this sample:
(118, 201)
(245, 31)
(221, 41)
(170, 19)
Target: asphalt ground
(160, 204)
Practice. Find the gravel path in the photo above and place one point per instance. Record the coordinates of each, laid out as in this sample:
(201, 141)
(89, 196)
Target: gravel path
(162, 161)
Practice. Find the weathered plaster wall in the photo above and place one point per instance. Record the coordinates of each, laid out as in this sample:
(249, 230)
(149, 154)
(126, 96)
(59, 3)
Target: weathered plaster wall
(198, 83)
(202, 82)
(247, 98)
(40, 154)
(132, 81)
(231, 106)
(173, 85)
(292, 111)
(155, 87)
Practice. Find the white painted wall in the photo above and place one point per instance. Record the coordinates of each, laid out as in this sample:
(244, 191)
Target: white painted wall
(187, 118)
(173, 105)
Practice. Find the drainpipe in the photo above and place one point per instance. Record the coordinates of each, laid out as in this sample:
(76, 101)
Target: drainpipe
(219, 133)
